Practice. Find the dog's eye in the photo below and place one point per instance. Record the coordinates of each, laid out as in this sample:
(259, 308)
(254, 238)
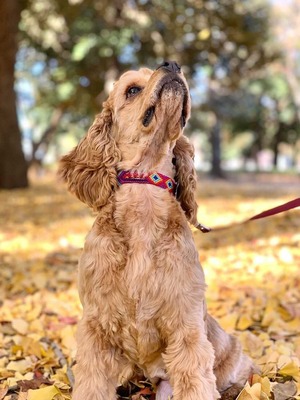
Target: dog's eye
(132, 91)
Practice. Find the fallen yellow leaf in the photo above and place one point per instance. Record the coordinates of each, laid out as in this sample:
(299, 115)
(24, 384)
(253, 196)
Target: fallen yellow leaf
(46, 393)
(20, 366)
(244, 322)
(228, 322)
(20, 325)
(250, 393)
(290, 369)
(265, 385)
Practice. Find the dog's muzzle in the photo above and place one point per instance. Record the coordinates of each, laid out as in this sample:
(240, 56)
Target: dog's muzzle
(170, 80)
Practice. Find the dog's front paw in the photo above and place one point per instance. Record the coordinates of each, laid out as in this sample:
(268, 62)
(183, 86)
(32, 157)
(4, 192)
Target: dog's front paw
(164, 391)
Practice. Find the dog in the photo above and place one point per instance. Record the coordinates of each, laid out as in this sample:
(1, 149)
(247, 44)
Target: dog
(140, 281)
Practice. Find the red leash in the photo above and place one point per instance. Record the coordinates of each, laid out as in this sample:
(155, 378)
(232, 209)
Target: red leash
(268, 213)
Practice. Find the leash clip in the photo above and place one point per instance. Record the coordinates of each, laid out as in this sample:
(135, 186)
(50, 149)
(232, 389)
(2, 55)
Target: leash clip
(202, 228)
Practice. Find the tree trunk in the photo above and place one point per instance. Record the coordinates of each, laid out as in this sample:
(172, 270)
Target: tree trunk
(13, 167)
(215, 140)
(46, 137)
(278, 138)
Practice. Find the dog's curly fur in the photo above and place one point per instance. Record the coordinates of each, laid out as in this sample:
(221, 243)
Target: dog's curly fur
(140, 281)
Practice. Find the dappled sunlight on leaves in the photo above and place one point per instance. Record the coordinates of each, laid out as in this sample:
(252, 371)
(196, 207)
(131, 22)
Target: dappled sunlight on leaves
(252, 272)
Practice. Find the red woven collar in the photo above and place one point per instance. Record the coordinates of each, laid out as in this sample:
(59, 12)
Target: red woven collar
(155, 178)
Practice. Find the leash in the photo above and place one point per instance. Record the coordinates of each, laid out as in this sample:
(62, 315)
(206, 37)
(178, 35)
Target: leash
(268, 213)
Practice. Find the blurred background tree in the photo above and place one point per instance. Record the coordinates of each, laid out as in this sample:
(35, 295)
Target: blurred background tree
(13, 169)
(70, 52)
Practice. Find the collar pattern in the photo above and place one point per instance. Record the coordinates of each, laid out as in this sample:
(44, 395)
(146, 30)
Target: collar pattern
(155, 178)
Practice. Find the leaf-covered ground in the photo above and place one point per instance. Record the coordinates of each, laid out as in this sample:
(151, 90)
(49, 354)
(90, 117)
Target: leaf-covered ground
(252, 273)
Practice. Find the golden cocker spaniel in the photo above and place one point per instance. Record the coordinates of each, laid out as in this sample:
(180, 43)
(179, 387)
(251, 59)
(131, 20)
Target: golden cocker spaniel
(140, 280)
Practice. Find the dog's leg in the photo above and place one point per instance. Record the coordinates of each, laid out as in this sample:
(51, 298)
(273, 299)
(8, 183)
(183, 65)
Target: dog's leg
(189, 359)
(98, 366)
(232, 368)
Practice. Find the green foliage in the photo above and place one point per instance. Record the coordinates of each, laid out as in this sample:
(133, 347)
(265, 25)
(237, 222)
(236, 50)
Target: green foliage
(271, 110)
(83, 45)
(89, 37)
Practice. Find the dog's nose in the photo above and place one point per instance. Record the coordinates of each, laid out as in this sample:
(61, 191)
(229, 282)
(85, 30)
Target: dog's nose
(170, 66)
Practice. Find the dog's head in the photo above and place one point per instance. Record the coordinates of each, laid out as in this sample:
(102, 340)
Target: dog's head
(141, 122)
(149, 111)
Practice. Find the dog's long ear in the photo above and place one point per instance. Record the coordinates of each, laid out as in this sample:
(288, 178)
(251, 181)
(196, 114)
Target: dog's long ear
(90, 168)
(186, 178)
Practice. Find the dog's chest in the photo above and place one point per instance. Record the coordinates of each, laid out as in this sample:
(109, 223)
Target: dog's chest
(134, 284)
(142, 215)
(129, 318)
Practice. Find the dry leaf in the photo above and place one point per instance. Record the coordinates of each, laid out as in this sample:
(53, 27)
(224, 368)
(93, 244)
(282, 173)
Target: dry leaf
(33, 383)
(290, 369)
(20, 366)
(20, 325)
(228, 322)
(244, 322)
(47, 393)
(284, 391)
